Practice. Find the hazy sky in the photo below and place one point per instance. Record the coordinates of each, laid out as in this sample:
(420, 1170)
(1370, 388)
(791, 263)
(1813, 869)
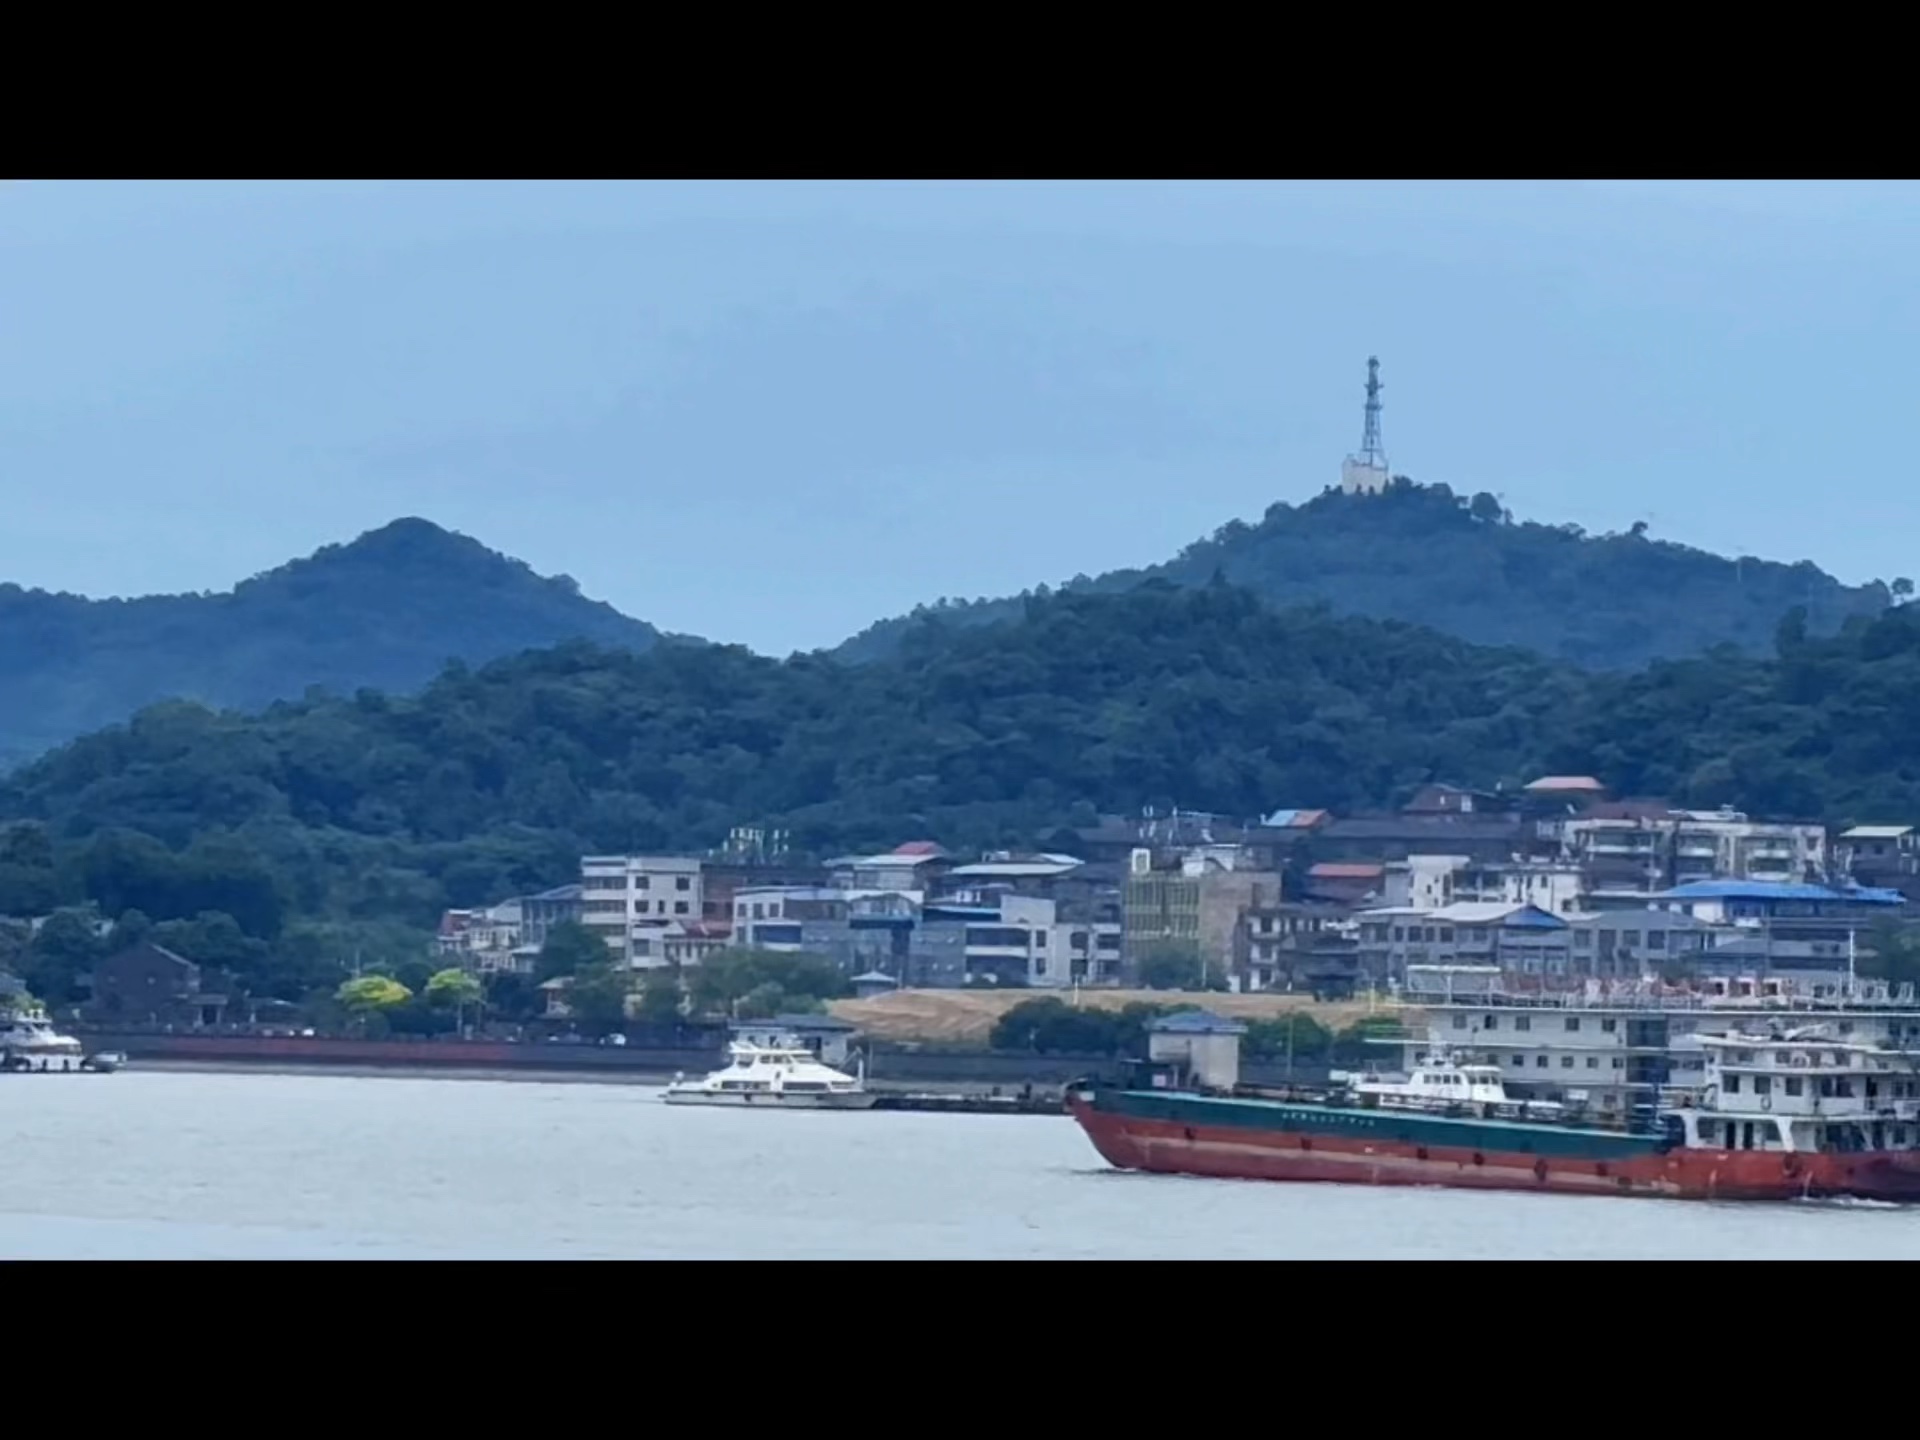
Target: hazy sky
(771, 413)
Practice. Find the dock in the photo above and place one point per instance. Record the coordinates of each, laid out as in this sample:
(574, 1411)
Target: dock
(952, 1104)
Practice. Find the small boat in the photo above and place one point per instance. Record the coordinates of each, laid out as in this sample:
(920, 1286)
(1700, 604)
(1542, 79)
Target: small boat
(774, 1078)
(1447, 1086)
(28, 1041)
(104, 1063)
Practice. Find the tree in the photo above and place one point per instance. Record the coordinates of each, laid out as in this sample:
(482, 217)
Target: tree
(369, 997)
(454, 989)
(597, 996)
(63, 950)
(660, 998)
(1172, 966)
(1902, 590)
(569, 948)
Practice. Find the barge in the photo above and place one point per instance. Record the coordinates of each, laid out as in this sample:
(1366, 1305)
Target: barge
(1782, 1114)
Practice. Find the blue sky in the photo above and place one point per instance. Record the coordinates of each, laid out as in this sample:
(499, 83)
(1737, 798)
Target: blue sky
(770, 413)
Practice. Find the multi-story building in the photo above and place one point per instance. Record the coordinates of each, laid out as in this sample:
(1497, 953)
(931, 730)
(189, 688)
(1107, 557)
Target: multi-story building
(1632, 944)
(1884, 856)
(915, 867)
(1651, 848)
(540, 913)
(1784, 927)
(1521, 939)
(1196, 908)
(1294, 945)
(631, 901)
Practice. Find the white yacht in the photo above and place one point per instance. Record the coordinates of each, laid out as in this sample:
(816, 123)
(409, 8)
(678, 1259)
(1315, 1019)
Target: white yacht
(774, 1077)
(28, 1041)
(1445, 1084)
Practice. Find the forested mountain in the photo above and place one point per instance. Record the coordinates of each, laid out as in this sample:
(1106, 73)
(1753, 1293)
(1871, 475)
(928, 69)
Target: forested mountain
(494, 780)
(1423, 554)
(386, 611)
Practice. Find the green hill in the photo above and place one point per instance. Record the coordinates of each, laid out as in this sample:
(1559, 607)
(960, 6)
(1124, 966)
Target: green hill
(1425, 555)
(493, 780)
(386, 611)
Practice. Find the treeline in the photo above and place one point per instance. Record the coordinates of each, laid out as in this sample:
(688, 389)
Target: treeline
(1048, 1025)
(1461, 565)
(347, 819)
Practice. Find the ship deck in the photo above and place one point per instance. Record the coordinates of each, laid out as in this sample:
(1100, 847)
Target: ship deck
(1464, 1131)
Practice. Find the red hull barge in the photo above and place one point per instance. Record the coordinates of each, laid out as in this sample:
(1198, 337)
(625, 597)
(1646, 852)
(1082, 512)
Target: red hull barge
(1253, 1139)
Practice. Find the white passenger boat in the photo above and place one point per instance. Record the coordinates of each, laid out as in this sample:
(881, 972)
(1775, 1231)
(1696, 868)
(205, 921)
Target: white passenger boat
(1444, 1085)
(28, 1041)
(774, 1078)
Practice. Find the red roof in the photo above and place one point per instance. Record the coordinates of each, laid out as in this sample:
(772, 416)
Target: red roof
(919, 847)
(1348, 872)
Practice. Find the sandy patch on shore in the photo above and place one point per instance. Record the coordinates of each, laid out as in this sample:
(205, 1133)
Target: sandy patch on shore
(966, 1017)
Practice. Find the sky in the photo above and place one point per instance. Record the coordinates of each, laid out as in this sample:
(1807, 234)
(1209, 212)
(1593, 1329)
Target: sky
(771, 413)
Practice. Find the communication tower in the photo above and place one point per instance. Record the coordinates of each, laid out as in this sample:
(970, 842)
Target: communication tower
(1366, 473)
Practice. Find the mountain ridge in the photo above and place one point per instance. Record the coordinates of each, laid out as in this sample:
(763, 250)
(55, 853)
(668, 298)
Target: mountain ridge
(385, 610)
(1426, 555)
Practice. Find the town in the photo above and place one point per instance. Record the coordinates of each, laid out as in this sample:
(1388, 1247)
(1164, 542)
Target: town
(1553, 887)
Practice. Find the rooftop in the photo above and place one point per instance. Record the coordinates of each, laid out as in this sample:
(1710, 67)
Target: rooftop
(1196, 1022)
(1876, 832)
(1584, 784)
(1778, 890)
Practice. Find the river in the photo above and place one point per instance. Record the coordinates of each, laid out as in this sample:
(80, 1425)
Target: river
(158, 1165)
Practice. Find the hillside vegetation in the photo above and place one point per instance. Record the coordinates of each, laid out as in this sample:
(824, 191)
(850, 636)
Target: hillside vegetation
(386, 612)
(379, 810)
(1425, 555)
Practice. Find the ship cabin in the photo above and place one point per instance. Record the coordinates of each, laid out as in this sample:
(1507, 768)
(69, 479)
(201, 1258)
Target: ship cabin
(1800, 1090)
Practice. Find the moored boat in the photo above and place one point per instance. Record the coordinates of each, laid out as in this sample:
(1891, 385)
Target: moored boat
(1782, 1114)
(773, 1078)
(28, 1041)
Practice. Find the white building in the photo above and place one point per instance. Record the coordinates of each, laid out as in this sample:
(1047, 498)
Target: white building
(1430, 882)
(634, 902)
(1650, 853)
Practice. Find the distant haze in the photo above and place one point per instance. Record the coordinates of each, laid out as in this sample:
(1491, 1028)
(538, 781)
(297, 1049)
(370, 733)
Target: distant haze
(775, 413)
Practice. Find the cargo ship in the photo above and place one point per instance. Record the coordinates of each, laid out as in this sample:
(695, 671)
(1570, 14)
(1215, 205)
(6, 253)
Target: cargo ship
(1782, 1114)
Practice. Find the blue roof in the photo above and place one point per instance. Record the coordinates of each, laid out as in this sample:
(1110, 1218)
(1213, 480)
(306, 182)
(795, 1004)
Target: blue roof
(1533, 918)
(1197, 1022)
(1776, 890)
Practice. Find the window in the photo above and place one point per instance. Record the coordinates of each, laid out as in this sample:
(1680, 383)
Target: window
(1516, 1059)
(680, 907)
(1566, 1062)
(641, 882)
(1573, 1022)
(1609, 1026)
(1540, 1062)
(682, 882)
(1629, 938)
(1593, 1062)
(1763, 1084)
(1731, 1084)
(1446, 934)
(1619, 1062)
(1656, 939)
(1459, 1022)
(1492, 1022)
(1523, 1022)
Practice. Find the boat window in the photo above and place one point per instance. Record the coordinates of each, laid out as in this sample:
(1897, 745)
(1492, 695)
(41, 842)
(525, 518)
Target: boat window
(1732, 1084)
(1795, 1085)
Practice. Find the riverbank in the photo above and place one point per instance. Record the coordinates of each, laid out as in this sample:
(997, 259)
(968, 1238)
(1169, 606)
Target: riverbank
(644, 1078)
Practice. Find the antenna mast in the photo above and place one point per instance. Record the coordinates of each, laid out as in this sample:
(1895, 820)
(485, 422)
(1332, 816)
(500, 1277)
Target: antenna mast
(1372, 453)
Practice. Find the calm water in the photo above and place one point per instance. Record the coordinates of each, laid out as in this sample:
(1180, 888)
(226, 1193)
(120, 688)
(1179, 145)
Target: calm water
(179, 1165)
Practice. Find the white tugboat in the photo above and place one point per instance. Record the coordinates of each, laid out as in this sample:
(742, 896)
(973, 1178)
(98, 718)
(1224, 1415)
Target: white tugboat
(28, 1041)
(774, 1078)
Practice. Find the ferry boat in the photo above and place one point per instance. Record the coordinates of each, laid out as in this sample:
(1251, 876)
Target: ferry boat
(28, 1041)
(1781, 1114)
(774, 1078)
